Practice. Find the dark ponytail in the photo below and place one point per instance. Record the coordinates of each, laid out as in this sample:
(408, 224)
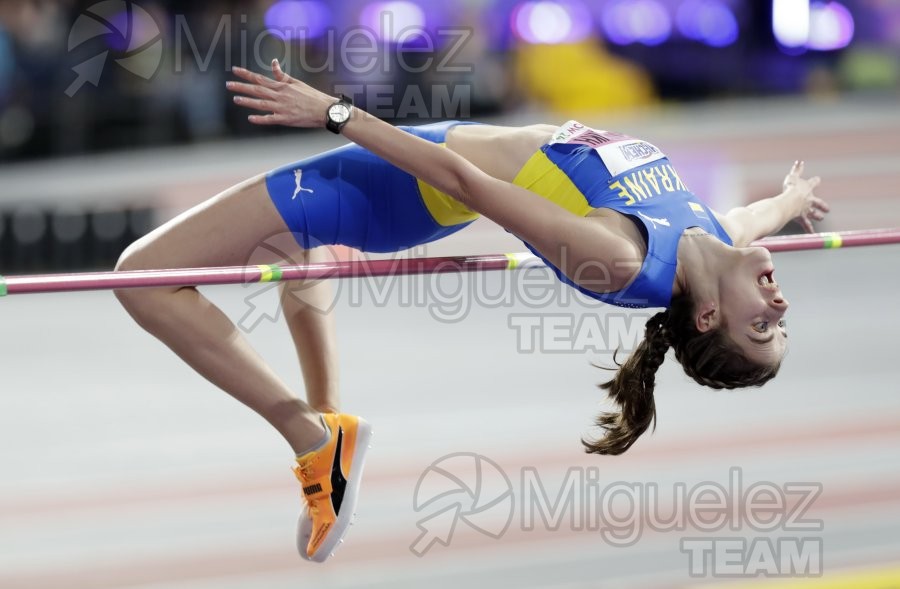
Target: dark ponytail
(711, 358)
(632, 390)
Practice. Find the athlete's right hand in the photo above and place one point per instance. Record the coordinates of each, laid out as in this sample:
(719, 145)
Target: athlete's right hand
(286, 100)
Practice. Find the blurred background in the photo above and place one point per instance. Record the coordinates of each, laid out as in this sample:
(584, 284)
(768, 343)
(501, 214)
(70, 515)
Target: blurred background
(122, 468)
(132, 88)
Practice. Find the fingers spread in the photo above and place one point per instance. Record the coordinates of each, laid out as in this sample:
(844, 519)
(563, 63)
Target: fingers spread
(821, 204)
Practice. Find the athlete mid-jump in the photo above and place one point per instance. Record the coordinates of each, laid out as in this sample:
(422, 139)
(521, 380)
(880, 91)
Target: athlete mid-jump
(607, 212)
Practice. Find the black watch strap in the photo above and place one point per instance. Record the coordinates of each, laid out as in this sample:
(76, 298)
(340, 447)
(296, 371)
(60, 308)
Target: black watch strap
(333, 125)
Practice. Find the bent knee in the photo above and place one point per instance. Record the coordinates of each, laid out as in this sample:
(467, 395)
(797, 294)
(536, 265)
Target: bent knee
(132, 258)
(128, 260)
(143, 304)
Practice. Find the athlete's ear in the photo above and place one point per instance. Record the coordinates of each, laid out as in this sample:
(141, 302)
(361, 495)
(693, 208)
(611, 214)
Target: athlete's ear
(707, 316)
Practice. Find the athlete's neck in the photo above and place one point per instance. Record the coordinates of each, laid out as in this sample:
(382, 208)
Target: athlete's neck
(702, 258)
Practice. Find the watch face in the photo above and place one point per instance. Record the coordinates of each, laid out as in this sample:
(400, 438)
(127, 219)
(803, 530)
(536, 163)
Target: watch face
(339, 113)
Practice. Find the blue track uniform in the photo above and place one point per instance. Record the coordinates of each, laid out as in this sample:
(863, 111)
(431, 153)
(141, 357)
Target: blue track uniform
(351, 197)
(583, 169)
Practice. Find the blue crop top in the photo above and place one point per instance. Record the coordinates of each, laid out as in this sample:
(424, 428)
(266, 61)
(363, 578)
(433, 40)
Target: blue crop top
(583, 169)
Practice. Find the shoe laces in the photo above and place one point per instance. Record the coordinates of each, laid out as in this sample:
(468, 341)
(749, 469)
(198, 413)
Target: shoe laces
(303, 471)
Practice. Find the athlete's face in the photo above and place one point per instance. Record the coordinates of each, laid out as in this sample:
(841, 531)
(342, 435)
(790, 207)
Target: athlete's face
(753, 306)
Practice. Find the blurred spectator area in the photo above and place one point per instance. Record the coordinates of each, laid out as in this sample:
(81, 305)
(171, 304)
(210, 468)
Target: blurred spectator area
(83, 76)
(114, 115)
(80, 211)
(54, 239)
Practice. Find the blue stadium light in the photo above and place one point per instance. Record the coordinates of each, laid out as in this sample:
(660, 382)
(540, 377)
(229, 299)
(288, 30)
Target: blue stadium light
(709, 21)
(831, 26)
(636, 21)
(822, 26)
(394, 22)
(551, 22)
(297, 20)
(790, 22)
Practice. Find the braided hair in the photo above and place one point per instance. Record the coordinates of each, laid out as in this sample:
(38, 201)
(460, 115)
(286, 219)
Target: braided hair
(711, 358)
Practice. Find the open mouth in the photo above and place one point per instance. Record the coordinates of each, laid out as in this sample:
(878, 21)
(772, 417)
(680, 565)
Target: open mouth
(767, 280)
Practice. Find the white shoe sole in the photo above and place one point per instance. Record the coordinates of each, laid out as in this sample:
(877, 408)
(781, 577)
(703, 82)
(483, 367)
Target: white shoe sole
(348, 509)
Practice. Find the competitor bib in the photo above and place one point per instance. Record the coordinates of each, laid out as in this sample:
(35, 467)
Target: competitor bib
(618, 151)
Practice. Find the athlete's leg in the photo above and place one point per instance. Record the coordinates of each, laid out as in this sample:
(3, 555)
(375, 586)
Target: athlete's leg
(306, 306)
(352, 197)
(223, 231)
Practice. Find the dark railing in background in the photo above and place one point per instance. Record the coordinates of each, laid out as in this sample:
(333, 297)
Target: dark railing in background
(40, 240)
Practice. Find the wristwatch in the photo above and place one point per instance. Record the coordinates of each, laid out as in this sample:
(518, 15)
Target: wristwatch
(338, 114)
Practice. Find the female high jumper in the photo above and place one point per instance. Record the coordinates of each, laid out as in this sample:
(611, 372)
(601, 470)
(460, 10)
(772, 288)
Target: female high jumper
(607, 212)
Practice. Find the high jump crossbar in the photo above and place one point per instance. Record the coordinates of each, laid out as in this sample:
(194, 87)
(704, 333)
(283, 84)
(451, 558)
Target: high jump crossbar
(10, 285)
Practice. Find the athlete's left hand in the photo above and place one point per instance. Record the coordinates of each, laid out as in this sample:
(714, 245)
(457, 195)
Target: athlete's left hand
(805, 206)
(287, 101)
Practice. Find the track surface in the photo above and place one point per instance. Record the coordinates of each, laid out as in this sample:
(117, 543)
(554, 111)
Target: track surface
(122, 468)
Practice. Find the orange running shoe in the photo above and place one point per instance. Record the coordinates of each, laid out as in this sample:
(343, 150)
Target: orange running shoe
(330, 478)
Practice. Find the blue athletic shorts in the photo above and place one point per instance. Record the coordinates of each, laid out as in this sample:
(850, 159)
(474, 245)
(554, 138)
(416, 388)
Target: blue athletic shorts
(349, 196)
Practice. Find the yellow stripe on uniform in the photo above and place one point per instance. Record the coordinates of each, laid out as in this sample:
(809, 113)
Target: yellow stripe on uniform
(542, 176)
(539, 174)
(444, 209)
(857, 579)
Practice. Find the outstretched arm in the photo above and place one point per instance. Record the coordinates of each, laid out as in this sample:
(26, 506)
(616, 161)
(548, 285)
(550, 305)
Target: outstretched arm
(568, 241)
(765, 217)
